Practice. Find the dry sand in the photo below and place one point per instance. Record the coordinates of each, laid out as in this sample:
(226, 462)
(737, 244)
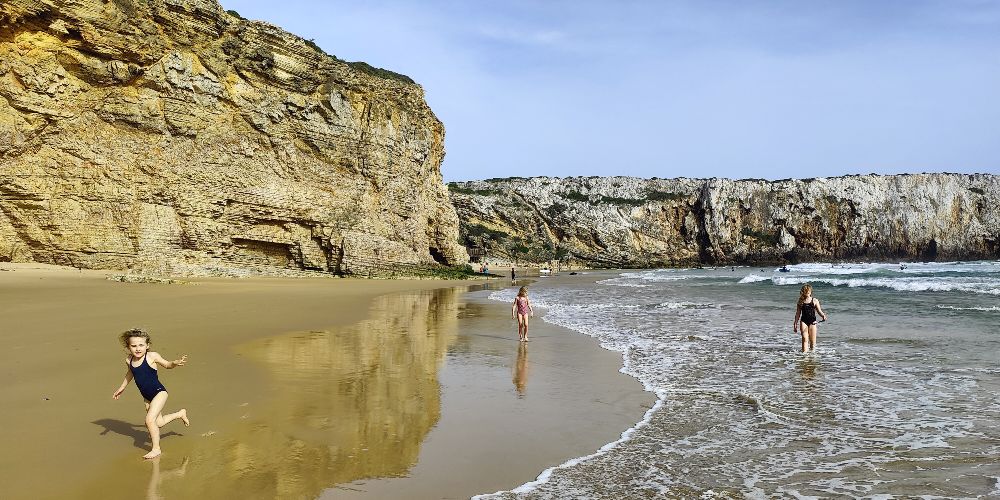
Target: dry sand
(296, 389)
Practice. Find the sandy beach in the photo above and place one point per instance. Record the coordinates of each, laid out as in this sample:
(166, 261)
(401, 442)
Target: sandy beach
(307, 388)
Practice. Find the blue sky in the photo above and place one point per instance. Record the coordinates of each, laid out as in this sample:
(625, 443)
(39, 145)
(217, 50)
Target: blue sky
(695, 88)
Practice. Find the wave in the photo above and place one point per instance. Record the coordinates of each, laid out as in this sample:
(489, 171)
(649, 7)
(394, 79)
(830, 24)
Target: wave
(986, 286)
(684, 305)
(753, 278)
(956, 308)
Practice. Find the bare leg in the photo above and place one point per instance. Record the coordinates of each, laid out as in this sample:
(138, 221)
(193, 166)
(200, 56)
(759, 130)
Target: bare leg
(153, 410)
(812, 336)
(520, 327)
(525, 327)
(804, 329)
(181, 414)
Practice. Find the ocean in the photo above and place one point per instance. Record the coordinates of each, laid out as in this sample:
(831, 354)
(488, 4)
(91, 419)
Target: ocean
(900, 400)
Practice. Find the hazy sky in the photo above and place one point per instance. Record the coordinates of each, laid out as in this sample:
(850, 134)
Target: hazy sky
(693, 88)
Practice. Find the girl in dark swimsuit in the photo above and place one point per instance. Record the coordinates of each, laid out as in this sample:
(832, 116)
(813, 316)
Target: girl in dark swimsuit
(141, 366)
(805, 317)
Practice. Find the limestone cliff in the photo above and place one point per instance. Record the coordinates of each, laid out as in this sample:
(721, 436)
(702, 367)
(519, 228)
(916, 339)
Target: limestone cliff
(630, 222)
(174, 135)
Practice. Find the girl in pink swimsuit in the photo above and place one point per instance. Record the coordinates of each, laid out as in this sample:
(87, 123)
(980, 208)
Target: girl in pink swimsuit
(521, 310)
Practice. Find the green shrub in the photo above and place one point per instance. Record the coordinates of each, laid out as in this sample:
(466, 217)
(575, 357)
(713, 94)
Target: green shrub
(576, 196)
(665, 196)
(454, 187)
(379, 72)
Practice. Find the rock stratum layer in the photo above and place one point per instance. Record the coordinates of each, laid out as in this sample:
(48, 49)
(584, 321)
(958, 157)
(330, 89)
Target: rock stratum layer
(172, 134)
(630, 222)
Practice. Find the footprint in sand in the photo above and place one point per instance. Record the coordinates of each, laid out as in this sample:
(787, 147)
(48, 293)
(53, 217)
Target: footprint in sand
(206, 434)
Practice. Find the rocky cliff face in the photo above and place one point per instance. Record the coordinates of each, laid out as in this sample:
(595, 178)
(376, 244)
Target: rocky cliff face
(629, 222)
(172, 134)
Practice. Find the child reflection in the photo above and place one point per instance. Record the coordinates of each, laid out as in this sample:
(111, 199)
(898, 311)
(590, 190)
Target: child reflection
(156, 478)
(521, 370)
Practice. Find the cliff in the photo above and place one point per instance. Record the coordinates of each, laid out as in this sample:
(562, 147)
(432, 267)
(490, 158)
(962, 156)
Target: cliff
(170, 134)
(630, 222)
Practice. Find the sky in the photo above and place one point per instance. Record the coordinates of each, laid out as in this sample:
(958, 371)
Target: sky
(693, 88)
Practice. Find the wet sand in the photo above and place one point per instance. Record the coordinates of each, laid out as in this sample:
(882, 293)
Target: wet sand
(296, 389)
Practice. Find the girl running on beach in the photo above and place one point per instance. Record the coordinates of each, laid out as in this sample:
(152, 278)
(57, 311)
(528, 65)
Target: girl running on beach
(805, 317)
(142, 366)
(521, 310)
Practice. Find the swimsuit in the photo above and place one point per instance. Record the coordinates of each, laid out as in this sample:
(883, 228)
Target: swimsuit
(146, 379)
(809, 313)
(522, 305)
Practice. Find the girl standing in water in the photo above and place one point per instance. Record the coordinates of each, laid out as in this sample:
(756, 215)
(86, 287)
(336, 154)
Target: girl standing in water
(141, 365)
(521, 310)
(805, 317)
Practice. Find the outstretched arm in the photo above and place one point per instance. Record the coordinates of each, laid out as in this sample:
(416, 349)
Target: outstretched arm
(820, 309)
(121, 388)
(155, 356)
(798, 314)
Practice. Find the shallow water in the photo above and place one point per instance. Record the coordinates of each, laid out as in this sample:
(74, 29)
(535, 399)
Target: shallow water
(901, 397)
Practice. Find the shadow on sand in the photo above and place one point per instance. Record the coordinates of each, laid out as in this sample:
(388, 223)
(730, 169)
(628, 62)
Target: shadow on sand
(138, 433)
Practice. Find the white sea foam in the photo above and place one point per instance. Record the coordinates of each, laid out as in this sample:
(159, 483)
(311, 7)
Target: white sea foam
(956, 308)
(988, 286)
(753, 278)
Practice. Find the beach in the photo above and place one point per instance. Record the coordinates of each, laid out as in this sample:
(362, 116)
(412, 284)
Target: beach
(296, 388)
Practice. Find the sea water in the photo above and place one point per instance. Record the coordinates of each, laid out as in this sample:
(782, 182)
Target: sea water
(901, 398)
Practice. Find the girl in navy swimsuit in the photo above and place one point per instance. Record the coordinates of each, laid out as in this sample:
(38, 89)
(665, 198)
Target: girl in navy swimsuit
(141, 365)
(805, 317)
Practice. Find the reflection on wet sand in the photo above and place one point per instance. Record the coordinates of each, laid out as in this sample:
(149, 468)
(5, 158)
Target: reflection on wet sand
(343, 405)
(521, 370)
(156, 477)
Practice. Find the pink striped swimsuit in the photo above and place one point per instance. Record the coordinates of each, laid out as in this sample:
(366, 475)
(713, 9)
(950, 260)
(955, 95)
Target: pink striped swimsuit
(522, 305)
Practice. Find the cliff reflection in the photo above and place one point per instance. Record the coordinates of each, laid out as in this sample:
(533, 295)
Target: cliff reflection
(348, 404)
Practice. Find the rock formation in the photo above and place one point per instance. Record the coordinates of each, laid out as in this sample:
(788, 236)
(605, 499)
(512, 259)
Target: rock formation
(170, 134)
(630, 222)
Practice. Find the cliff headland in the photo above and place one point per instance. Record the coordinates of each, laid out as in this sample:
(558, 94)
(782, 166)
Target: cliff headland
(627, 222)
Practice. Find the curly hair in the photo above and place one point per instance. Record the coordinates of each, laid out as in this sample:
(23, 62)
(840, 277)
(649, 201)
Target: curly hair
(134, 332)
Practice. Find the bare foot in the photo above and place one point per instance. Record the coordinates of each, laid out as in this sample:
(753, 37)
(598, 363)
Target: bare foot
(526, 339)
(152, 454)
(184, 417)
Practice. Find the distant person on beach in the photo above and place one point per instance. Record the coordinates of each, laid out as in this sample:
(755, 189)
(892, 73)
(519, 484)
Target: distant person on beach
(521, 310)
(805, 317)
(513, 281)
(141, 365)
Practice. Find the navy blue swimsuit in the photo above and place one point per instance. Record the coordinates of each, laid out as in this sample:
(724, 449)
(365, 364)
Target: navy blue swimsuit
(146, 380)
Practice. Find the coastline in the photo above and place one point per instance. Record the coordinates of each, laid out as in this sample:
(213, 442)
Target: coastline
(269, 361)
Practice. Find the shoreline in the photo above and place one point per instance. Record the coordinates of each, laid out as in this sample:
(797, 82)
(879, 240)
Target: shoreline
(241, 337)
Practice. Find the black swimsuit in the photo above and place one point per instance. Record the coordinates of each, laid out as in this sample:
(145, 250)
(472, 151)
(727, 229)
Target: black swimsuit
(146, 379)
(809, 313)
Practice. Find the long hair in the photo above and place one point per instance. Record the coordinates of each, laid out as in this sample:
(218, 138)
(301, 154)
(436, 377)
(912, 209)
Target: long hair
(134, 332)
(805, 292)
(523, 292)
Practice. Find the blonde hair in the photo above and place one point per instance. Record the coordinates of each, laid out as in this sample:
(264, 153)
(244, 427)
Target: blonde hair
(523, 292)
(134, 332)
(805, 292)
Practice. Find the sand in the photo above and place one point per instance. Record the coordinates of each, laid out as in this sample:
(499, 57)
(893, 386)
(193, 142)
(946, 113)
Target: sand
(330, 388)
